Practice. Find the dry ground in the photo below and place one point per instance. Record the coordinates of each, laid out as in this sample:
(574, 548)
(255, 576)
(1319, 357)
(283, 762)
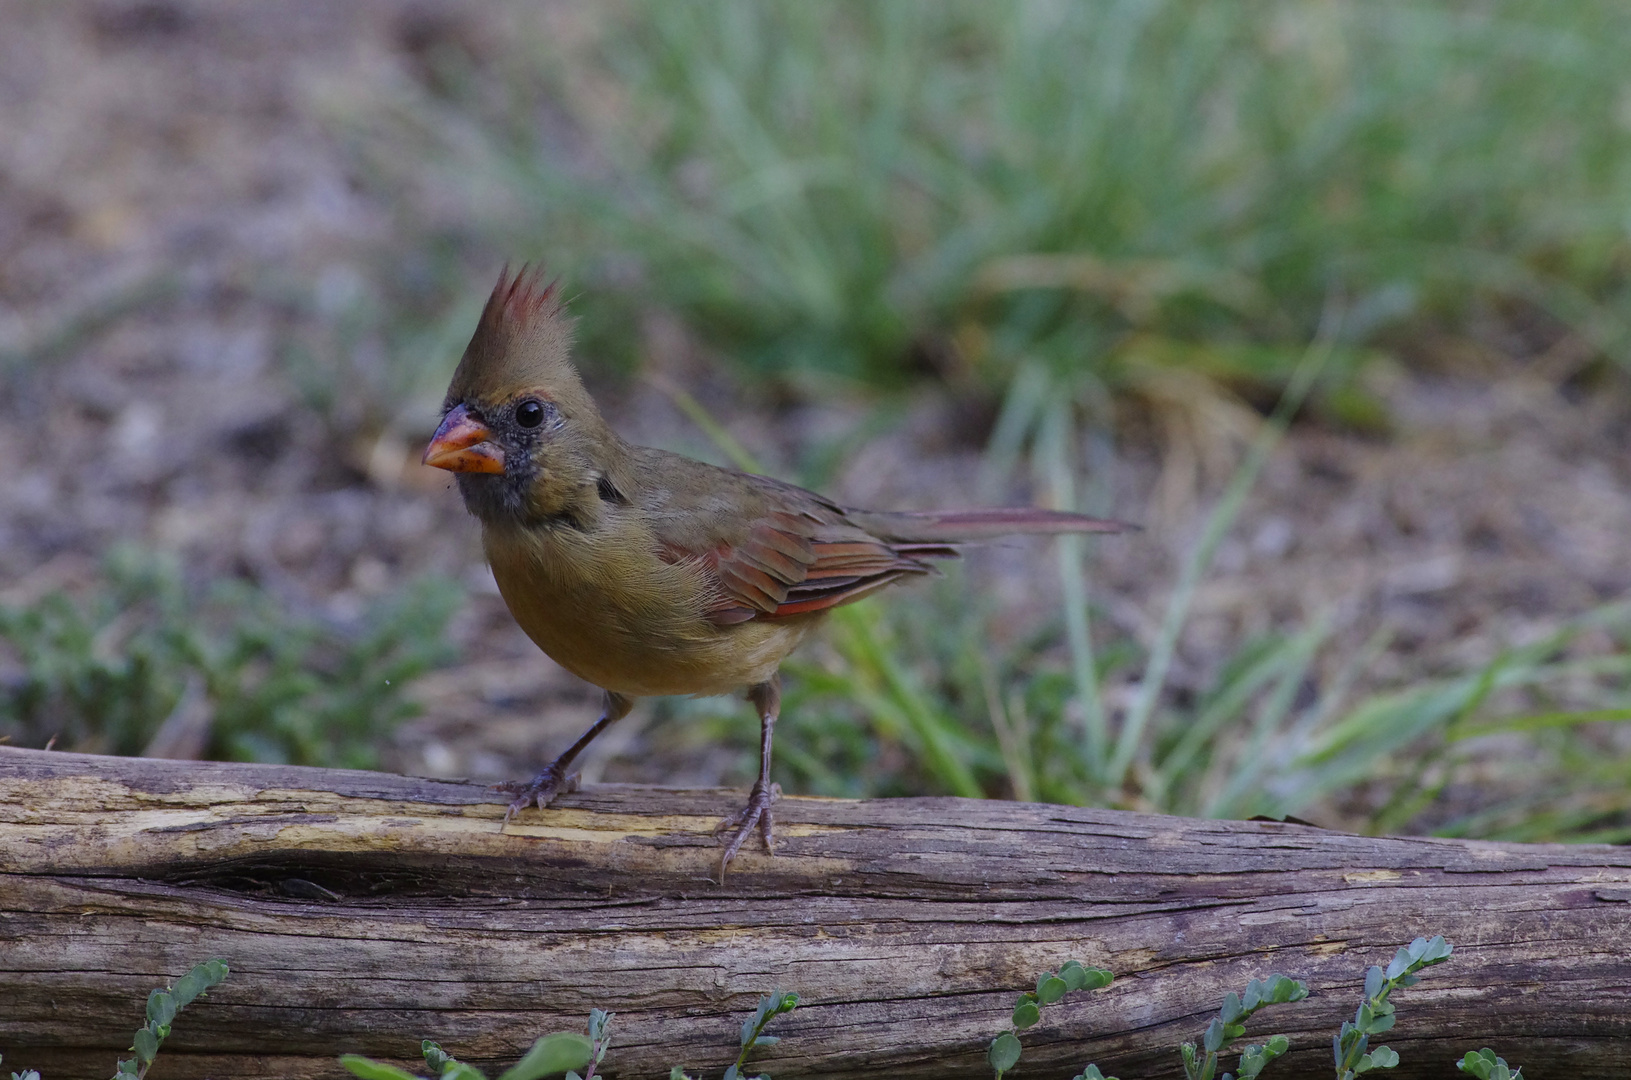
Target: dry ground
(166, 168)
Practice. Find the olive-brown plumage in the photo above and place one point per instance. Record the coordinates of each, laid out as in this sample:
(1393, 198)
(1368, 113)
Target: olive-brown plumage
(649, 573)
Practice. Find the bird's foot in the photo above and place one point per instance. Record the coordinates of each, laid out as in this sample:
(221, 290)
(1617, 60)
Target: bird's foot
(755, 813)
(541, 789)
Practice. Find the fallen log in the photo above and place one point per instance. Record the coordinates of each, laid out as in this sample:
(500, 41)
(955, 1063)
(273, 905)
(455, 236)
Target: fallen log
(361, 911)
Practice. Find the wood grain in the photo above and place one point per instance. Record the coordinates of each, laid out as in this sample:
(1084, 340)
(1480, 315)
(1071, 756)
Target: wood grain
(361, 912)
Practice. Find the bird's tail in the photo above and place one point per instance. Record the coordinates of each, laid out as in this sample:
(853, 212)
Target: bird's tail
(971, 526)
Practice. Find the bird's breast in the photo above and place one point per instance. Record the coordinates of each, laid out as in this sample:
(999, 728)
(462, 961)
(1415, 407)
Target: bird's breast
(604, 606)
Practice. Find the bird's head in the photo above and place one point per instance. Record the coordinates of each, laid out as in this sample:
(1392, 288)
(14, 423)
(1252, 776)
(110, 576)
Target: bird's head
(518, 427)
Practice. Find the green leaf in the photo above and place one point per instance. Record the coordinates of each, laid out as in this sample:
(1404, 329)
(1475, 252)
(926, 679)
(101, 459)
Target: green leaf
(161, 1008)
(369, 1069)
(1232, 1006)
(1098, 978)
(1255, 1058)
(677, 1073)
(201, 978)
(1486, 1065)
(1215, 1037)
(1437, 950)
(549, 1055)
(1283, 989)
(598, 1022)
(1026, 1014)
(146, 1045)
(434, 1055)
(1384, 1058)
(458, 1070)
(187, 988)
(1050, 988)
(1373, 981)
(1004, 1052)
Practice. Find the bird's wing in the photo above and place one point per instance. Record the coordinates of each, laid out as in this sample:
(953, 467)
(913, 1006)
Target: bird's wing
(770, 550)
(793, 561)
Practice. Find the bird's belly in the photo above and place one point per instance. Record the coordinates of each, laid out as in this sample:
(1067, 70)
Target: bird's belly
(635, 635)
(653, 668)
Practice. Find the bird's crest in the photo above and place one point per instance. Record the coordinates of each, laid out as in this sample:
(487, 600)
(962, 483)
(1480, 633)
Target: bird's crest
(519, 299)
(522, 342)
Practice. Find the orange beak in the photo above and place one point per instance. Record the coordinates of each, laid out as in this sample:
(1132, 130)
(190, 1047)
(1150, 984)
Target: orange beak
(461, 445)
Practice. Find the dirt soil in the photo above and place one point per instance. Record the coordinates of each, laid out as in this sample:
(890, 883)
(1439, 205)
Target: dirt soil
(164, 164)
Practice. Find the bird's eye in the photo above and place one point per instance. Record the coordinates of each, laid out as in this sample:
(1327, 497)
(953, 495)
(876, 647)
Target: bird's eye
(530, 413)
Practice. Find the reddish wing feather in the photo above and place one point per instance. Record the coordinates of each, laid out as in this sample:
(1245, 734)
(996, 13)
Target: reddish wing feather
(781, 571)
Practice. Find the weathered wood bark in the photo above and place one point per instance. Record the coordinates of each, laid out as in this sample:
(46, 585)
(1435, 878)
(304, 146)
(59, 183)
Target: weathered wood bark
(361, 911)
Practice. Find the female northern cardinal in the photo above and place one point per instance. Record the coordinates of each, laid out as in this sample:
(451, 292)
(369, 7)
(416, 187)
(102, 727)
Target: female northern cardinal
(645, 572)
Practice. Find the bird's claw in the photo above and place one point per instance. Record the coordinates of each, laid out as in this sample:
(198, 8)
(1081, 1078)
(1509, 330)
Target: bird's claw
(755, 813)
(542, 789)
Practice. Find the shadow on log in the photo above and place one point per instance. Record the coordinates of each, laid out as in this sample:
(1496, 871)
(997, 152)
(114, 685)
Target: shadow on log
(361, 912)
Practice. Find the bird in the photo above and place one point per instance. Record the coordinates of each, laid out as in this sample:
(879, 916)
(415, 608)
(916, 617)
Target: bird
(647, 573)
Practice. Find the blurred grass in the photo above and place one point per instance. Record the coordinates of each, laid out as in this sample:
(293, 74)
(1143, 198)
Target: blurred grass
(909, 698)
(142, 661)
(863, 190)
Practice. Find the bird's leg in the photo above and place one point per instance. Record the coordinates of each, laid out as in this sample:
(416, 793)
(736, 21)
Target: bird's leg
(554, 780)
(767, 697)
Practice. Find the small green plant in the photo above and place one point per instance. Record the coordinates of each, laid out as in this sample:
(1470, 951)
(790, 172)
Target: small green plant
(1003, 1053)
(1202, 1063)
(144, 663)
(1375, 1013)
(162, 1008)
(771, 1006)
(600, 1037)
(1485, 1065)
(567, 1052)
(550, 1055)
